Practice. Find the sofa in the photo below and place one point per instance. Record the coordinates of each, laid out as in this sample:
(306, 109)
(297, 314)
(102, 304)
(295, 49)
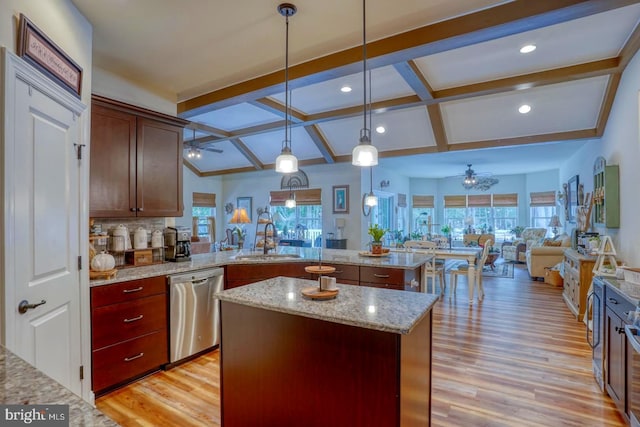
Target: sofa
(546, 254)
(477, 239)
(516, 250)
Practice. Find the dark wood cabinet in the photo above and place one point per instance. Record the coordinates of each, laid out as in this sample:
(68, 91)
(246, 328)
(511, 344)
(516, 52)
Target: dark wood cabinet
(136, 162)
(616, 312)
(391, 278)
(243, 274)
(128, 331)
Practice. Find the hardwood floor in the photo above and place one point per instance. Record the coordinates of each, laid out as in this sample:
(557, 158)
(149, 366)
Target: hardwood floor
(519, 358)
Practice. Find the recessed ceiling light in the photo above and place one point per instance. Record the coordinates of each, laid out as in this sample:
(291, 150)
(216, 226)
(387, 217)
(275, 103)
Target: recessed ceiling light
(528, 48)
(381, 129)
(524, 108)
(345, 89)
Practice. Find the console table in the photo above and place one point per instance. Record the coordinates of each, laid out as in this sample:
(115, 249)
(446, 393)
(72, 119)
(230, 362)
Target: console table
(577, 280)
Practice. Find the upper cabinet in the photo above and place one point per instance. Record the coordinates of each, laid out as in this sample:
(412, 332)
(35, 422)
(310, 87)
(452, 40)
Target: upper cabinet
(606, 194)
(136, 162)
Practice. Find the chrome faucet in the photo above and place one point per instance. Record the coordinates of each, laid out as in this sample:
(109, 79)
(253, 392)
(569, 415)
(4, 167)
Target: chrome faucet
(266, 236)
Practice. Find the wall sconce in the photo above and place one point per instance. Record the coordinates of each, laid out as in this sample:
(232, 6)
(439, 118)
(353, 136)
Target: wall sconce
(384, 183)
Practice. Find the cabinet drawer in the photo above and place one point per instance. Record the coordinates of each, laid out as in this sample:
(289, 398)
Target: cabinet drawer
(383, 285)
(345, 273)
(618, 304)
(115, 364)
(382, 275)
(119, 322)
(127, 291)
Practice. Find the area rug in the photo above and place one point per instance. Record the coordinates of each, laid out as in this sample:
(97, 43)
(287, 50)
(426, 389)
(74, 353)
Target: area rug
(502, 269)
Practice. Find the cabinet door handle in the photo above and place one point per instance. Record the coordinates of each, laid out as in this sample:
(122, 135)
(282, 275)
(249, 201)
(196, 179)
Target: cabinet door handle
(128, 291)
(619, 329)
(140, 209)
(338, 272)
(612, 300)
(133, 319)
(381, 276)
(137, 356)
(132, 209)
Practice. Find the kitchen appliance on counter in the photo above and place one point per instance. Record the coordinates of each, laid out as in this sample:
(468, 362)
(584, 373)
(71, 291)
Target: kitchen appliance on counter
(194, 312)
(595, 329)
(178, 242)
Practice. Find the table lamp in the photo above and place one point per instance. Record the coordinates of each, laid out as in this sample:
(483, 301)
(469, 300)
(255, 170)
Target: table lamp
(555, 223)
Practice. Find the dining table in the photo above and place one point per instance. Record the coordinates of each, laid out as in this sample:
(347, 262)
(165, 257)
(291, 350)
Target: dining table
(469, 254)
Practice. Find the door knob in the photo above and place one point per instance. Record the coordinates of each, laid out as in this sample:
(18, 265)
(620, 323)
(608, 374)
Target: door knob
(24, 305)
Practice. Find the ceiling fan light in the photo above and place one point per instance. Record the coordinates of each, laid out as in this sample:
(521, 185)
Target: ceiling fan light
(198, 154)
(286, 162)
(371, 200)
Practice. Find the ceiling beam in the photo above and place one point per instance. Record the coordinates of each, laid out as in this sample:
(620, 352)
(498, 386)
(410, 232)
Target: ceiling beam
(321, 143)
(523, 140)
(277, 108)
(191, 167)
(630, 48)
(607, 103)
(209, 129)
(437, 125)
(488, 24)
(242, 148)
(415, 79)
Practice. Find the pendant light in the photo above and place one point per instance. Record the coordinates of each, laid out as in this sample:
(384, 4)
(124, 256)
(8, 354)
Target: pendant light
(364, 154)
(291, 201)
(286, 162)
(371, 199)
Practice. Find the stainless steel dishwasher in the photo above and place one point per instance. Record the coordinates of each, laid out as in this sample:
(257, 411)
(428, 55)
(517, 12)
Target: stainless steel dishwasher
(194, 312)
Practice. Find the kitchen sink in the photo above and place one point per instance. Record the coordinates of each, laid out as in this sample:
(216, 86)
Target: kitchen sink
(266, 257)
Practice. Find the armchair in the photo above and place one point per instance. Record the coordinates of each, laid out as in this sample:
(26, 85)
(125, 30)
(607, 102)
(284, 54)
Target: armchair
(516, 251)
(541, 256)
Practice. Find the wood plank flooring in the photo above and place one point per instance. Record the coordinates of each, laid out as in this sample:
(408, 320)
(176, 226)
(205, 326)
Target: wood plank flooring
(519, 358)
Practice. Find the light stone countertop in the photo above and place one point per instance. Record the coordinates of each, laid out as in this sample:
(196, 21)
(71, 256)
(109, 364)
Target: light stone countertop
(402, 260)
(384, 310)
(22, 384)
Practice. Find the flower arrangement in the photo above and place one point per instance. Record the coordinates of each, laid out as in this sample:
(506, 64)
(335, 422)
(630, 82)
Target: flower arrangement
(376, 232)
(517, 230)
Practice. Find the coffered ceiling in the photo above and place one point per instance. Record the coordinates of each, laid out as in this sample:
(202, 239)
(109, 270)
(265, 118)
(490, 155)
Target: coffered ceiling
(447, 76)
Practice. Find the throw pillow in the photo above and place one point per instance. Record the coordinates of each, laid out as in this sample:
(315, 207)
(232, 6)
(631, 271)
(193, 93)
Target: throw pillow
(549, 242)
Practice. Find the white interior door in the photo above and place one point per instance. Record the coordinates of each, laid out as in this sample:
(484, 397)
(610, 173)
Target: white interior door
(42, 241)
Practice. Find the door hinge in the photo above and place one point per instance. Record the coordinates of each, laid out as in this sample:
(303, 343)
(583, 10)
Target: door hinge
(79, 150)
(80, 262)
(81, 372)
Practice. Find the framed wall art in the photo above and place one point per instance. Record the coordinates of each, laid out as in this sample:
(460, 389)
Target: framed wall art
(340, 199)
(245, 202)
(41, 52)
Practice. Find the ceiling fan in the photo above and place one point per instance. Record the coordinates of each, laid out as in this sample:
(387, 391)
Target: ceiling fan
(194, 148)
(472, 180)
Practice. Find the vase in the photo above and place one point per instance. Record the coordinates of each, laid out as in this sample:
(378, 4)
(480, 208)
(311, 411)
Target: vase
(376, 248)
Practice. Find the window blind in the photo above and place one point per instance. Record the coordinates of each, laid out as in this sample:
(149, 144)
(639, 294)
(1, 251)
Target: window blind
(479, 200)
(455, 201)
(312, 196)
(505, 200)
(543, 198)
(204, 200)
(422, 201)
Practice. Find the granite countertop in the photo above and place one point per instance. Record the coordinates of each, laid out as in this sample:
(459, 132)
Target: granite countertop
(22, 384)
(403, 260)
(362, 306)
(631, 291)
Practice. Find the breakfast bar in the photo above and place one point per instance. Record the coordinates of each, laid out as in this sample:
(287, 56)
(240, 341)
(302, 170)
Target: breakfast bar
(362, 358)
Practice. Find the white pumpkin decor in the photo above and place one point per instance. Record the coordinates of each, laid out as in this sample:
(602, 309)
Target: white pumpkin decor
(103, 262)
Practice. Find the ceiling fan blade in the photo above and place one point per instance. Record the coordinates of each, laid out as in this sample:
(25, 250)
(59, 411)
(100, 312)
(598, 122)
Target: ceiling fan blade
(213, 150)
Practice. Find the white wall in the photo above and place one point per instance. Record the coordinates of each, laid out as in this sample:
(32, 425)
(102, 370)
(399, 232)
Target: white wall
(619, 145)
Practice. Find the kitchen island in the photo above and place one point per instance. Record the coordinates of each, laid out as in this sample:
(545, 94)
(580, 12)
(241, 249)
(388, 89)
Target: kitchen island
(363, 358)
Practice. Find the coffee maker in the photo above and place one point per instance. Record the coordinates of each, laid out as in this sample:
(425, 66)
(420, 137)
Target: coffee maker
(178, 243)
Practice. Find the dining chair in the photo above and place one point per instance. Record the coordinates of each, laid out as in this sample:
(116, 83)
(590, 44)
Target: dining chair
(463, 270)
(433, 268)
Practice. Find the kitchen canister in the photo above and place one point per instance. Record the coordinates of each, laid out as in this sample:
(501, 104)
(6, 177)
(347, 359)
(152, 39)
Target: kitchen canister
(121, 238)
(156, 239)
(140, 238)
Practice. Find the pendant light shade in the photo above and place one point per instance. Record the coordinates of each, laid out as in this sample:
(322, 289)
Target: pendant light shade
(371, 200)
(365, 154)
(286, 162)
(291, 201)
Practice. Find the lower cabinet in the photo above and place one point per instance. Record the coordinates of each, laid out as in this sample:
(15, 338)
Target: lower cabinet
(577, 280)
(616, 311)
(128, 331)
(391, 278)
(242, 274)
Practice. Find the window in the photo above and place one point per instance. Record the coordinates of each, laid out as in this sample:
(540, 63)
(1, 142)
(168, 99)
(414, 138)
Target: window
(420, 222)
(542, 208)
(383, 215)
(203, 212)
(304, 222)
(454, 218)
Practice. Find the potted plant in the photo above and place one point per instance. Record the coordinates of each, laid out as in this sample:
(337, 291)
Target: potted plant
(517, 230)
(376, 233)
